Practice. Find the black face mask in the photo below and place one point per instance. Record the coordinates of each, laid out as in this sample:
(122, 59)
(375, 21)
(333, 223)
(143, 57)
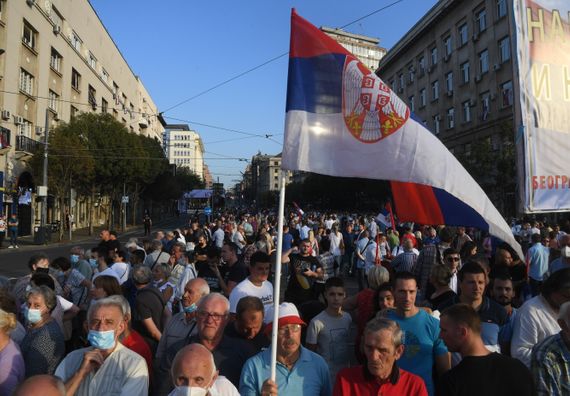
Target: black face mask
(41, 270)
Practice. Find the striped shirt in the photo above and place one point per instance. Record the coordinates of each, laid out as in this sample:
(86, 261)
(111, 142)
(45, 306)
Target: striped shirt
(405, 261)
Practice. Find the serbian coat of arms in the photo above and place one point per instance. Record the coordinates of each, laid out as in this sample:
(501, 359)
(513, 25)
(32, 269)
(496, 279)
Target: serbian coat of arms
(370, 109)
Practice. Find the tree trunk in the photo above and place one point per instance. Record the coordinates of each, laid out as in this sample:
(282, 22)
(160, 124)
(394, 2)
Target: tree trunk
(61, 216)
(90, 208)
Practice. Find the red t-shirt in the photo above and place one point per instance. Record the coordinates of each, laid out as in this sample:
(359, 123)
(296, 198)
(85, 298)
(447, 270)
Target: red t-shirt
(351, 382)
(137, 344)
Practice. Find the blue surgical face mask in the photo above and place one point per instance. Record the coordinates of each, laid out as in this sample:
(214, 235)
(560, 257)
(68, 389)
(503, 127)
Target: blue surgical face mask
(101, 339)
(191, 308)
(74, 258)
(93, 262)
(33, 315)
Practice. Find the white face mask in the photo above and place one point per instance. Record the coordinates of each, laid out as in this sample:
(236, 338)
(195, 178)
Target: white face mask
(190, 391)
(565, 251)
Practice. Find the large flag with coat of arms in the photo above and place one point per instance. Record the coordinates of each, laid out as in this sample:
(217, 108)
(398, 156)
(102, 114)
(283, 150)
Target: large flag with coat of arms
(343, 120)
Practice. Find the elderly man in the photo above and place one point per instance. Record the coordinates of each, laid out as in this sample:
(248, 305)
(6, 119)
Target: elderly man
(79, 262)
(380, 375)
(480, 372)
(107, 367)
(564, 260)
(248, 323)
(157, 256)
(299, 371)
(550, 361)
(194, 372)
(229, 353)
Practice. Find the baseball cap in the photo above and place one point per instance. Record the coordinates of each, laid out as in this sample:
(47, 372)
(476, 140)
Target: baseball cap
(288, 314)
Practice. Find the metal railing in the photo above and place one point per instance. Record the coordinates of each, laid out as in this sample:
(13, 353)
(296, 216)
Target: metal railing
(24, 143)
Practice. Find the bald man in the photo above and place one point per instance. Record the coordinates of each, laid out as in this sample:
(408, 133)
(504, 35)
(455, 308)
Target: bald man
(45, 385)
(194, 372)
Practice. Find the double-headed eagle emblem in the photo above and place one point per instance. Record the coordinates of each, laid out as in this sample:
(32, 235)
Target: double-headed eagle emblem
(370, 109)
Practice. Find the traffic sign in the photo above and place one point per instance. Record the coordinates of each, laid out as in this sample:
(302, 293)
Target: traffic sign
(208, 210)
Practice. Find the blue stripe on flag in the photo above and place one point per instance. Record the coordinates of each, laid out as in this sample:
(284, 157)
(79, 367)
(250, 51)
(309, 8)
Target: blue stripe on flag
(457, 212)
(315, 84)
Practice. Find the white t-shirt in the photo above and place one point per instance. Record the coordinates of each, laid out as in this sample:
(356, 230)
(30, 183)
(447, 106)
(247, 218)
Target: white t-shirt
(246, 288)
(336, 240)
(122, 270)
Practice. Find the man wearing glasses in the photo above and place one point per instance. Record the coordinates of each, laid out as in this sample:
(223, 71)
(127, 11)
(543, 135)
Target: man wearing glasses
(452, 259)
(299, 371)
(229, 353)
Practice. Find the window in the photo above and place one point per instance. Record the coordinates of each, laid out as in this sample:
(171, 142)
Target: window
(464, 72)
(507, 93)
(392, 84)
(466, 111)
(55, 60)
(485, 105)
(449, 82)
(76, 42)
(411, 101)
(92, 97)
(26, 82)
(105, 75)
(463, 34)
(505, 49)
(92, 60)
(450, 118)
(433, 53)
(422, 65)
(25, 128)
(75, 80)
(53, 101)
(436, 124)
(484, 61)
(29, 35)
(422, 97)
(411, 74)
(481, 20)
(435, 90)
(501, 8)
(447, 45)
(74, 111)
(131, 110)
(104, 105)
(401, 80)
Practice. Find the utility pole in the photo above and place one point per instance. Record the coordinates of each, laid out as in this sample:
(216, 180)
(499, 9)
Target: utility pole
(43, 218)
(123, 199)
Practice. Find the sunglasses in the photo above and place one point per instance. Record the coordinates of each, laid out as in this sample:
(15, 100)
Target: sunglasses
(452, 259)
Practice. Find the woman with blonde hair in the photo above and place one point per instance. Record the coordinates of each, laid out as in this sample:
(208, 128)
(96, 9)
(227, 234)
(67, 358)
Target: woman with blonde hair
(13, 367)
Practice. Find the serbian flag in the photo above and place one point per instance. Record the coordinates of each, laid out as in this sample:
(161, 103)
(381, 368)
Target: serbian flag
(298, 209)
(343, 120)
(386, 217)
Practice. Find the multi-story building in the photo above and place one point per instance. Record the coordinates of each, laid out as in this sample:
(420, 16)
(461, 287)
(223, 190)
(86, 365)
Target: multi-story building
(184, 148)
(455, 70)
(57, 59)
(207, 177)
(265, 172)
(365, 48)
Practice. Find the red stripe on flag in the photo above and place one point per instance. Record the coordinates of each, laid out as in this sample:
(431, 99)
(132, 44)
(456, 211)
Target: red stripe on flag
(320, 44)
(417, 203)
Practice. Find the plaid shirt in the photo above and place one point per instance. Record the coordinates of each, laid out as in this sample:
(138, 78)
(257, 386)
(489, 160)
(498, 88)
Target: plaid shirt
(426, 260)
(550, 366)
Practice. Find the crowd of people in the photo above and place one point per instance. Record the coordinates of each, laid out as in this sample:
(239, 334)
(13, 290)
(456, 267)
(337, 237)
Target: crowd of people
(365, 310)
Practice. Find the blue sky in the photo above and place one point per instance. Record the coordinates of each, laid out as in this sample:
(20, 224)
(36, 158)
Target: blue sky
(180, 48)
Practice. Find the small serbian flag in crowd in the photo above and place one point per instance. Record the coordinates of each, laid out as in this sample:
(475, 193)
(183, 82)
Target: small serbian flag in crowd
(343, 120)
(384, 218)
(298, 209)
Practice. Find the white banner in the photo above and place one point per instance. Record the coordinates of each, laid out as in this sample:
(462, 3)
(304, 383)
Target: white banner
(543, 52)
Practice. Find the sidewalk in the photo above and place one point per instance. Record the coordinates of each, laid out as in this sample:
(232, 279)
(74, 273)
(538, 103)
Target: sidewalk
(82, 234)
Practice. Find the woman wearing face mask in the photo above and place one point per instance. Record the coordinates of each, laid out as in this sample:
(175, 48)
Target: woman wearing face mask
(43, 346)
(11, 360)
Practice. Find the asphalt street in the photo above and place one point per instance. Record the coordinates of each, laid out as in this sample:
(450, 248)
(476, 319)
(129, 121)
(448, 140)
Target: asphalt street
(14, 262)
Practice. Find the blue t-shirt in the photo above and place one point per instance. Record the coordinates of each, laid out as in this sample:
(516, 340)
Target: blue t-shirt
(422, 344)
(287, 241)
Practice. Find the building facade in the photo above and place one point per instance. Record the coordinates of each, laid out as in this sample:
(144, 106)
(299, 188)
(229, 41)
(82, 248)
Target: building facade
(184, 148)
(265, 171)
(365, 48)
(57, 59)
(455, 71)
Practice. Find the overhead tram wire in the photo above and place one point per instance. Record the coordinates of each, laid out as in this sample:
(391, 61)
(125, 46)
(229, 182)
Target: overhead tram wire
(267, 62)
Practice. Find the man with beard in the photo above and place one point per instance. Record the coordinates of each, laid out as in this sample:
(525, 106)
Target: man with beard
(304, 269)
(503, 293)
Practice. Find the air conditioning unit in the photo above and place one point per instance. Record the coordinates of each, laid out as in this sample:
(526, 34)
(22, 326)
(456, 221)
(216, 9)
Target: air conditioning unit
(497, 66)
(6, 115)
(18, 120)
(478, 78)
(39, 130)
(449, 93)
(31, 2)
(475, 37)
(56, 29)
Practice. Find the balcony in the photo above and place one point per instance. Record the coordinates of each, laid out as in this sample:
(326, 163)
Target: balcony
(4, 140)
(25, 147)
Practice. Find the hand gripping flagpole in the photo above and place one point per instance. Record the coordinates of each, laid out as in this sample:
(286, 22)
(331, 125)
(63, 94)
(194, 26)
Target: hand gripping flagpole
(277, 280)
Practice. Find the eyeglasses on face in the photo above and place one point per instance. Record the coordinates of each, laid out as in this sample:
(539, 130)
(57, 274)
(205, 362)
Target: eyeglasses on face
(216, 317)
